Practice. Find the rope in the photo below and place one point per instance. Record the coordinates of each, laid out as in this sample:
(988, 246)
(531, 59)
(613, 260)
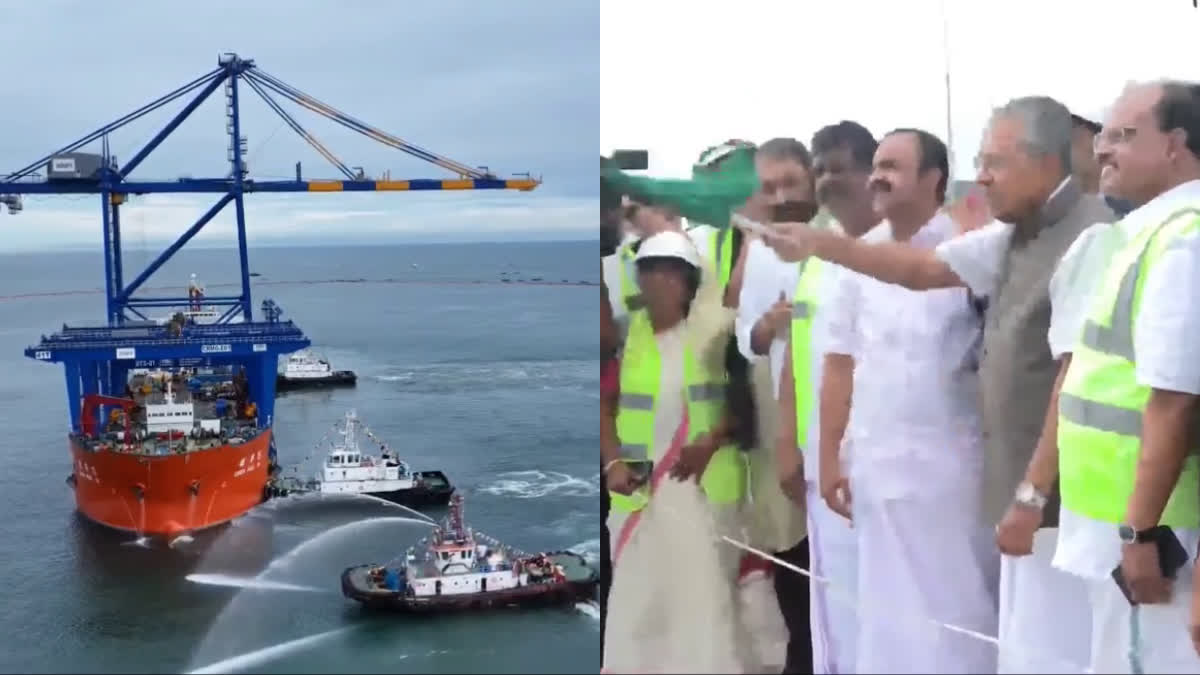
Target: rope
(848, 599)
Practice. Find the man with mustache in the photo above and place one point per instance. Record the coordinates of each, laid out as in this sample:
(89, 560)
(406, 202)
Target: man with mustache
(842, 155)
(915, 470)
(1025, 164)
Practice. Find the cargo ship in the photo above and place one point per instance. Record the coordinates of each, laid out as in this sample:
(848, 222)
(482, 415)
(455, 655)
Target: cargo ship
(167, 459)
(166, 463)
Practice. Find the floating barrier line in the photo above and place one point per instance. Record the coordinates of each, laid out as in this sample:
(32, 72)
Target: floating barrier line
(314, 282)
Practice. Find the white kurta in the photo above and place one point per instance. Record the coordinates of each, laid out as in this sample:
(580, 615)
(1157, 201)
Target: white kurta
(915, 474)
(832, 544)
(1045, 617)
(1167, 357)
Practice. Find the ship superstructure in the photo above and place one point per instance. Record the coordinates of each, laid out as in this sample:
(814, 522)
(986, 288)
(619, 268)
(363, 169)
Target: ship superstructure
(172, 464)
(457, 568)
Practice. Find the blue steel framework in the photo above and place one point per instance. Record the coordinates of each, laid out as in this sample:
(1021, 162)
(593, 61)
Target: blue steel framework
(97, 360)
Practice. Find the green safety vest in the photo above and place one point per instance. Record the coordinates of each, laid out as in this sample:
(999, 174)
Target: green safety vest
(725, 477)
(1101, 403)
(631, 294)
(804, 309)
(721, 250)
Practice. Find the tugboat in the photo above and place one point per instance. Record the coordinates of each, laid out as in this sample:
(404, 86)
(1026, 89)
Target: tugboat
(306, 370)
(456, 572)
(349, 470)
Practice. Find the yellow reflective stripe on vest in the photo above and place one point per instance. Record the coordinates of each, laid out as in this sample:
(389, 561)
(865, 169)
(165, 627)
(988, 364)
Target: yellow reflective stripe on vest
(631, 294)
(804, 308)
(704, 392)
(723, 256)
(1101, 404)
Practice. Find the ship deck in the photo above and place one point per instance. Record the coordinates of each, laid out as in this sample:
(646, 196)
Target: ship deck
(146, 390)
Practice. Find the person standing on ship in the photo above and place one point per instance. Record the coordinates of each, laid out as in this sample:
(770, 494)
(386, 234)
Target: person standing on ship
(841, 163)
(673, 602)
(916, 466)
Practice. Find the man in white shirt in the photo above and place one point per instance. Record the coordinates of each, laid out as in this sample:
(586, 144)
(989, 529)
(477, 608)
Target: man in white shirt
(1124, 492)
(1025, 166)
(841, 164)
(783, 167)
(915, 467)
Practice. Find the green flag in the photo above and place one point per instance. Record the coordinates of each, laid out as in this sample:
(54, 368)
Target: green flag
(722, 180)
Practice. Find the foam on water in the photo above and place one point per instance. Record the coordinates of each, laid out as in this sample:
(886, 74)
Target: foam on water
(534, 484)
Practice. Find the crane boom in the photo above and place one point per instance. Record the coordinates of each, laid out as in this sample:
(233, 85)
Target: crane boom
(72, 172)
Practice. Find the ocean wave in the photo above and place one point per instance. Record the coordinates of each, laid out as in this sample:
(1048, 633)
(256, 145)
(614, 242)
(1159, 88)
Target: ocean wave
(589, 549)
(576, 375)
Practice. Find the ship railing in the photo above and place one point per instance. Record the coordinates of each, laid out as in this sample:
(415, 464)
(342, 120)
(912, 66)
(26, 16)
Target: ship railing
(133, 342)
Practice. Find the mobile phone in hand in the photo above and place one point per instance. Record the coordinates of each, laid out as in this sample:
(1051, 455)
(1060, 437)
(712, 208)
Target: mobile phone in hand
(641, 469)
(1171, 557)
(753, 226)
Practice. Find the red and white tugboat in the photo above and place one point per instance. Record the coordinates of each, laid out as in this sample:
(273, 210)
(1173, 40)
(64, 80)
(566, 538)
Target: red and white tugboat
(457, 572)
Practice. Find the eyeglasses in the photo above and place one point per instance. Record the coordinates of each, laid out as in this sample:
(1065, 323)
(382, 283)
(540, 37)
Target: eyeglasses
(991, 163)
(1113, 136)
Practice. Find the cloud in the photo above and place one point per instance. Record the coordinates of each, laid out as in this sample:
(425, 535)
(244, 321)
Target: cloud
(307, 219)
(513, 87)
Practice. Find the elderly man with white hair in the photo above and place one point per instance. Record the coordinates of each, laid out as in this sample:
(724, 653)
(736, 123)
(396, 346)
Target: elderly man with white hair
(1024, 164)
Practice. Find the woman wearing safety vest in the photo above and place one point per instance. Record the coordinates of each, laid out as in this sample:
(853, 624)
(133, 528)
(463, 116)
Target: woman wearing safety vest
(675, 486)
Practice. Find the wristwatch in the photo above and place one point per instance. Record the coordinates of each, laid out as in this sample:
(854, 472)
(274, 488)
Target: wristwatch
(1028, 495)
(1131, 536)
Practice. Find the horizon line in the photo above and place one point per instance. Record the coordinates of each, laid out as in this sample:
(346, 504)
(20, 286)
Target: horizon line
(211, 246)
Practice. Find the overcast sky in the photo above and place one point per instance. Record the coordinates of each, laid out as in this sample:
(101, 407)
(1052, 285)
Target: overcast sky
(513, 86)
(755, 69)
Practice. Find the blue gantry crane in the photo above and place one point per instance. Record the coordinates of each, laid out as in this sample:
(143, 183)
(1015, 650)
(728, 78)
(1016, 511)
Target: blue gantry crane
(97, 360)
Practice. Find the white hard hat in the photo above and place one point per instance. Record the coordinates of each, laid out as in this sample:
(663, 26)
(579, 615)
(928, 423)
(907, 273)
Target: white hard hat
(670, 244)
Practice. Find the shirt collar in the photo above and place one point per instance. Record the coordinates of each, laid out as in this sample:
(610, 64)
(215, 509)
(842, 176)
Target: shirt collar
(1154, 211)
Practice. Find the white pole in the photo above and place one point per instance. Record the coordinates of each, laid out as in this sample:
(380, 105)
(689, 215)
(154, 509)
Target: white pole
(946, 59)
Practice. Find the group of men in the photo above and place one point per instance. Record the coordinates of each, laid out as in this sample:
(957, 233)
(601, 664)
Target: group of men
(987, 431)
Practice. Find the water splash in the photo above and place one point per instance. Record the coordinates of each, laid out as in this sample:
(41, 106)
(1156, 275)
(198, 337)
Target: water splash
(309, 544)
(181, 540)
(308, 563)
(140, 542)
(267, 654)
(249, 582)
(590, 609)
(399, 506)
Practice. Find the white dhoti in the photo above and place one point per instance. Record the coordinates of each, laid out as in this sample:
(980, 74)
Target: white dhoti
(673, 606)
(923, 558)
(1142, 639)
(1045, 614)
(834, 619)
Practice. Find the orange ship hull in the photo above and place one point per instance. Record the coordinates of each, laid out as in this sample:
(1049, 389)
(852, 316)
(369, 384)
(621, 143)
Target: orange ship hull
(168, 495)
